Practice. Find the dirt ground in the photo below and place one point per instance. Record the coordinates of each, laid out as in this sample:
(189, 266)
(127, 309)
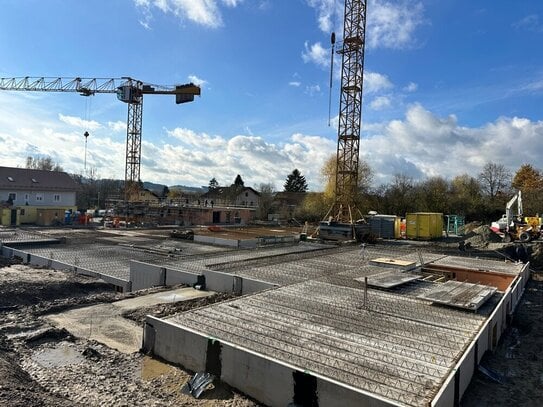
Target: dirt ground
(41, 365)
(518, 359)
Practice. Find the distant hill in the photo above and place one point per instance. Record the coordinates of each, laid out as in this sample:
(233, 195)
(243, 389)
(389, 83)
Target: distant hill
(156, 188)
(184, 188)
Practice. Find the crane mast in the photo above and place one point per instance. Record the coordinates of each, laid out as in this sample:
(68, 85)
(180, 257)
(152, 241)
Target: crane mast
(350, 110)
(128, 90)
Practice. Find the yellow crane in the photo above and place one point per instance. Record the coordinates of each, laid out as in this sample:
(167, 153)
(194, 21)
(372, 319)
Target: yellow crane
(339, 223)
(128, 90)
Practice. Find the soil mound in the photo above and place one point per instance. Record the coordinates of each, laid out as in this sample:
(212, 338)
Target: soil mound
(481, 236)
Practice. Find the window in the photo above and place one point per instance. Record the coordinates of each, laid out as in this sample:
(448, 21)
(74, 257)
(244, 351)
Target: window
(12, 197)
(56, 198)
(10, 179)
(39, 197)
(27, 196)
(22, 212)
(34, 181)
(246, 194)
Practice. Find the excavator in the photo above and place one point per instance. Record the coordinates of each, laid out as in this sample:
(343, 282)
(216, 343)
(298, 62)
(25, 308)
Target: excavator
(515, 227)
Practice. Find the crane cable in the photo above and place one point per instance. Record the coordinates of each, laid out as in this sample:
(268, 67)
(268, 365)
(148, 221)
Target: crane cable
(333, 42)
(88, 106)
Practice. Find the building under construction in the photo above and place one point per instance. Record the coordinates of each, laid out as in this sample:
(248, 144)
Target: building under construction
(313, 324)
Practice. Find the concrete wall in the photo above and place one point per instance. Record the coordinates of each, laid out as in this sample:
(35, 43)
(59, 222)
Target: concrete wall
(267, 380)
(164, 339)
(40, 261)
(143, 275)
(332, 394)
(174, 277)
(487, 339)
(218, 241)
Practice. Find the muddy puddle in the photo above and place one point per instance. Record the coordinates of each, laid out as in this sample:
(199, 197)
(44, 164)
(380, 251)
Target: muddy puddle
(63, 354)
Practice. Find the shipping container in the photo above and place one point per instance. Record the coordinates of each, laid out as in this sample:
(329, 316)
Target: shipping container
(385, 226)
(424, 225)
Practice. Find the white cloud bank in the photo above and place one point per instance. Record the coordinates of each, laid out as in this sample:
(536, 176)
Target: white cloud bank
(390, 24)
(202, 12)
(420, 144)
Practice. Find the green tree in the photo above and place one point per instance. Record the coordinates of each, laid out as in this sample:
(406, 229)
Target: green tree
(213, 184)
(432, 195)
(295, 182)
(238, 182)
(466, 197)
(399, 195)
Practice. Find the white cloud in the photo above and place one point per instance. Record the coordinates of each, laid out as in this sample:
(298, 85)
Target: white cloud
(419, 144)
(380, 103)
(390, 24)
(316, 53)
(197, 81)
(529, 23)
(312, 90)
(411, 87)
(423, 144)
(393, 24)
(117, 126)
(79, 122)
(296, 84)
(189, 137)
(329, 14)
(232, 3)
(375, 82)
(203, 12)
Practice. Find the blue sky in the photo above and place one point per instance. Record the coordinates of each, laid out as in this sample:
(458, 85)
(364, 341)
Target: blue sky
(449, 85)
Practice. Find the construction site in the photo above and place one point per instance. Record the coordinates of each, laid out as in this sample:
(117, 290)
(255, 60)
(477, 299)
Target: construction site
(194, 302)
(307, 323)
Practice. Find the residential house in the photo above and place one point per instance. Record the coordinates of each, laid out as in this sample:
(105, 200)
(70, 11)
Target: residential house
(286, 204)
(35, 196)
(232, 196)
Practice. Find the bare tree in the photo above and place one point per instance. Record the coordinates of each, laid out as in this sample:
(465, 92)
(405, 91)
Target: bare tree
(494, 179)
(266, 199)
(42, 163)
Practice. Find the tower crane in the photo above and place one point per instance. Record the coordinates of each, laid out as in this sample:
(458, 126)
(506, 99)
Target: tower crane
(340, 224)
(128, 90)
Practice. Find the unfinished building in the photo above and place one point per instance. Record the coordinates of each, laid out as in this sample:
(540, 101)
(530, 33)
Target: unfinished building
(314, 325)
(340, 330)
